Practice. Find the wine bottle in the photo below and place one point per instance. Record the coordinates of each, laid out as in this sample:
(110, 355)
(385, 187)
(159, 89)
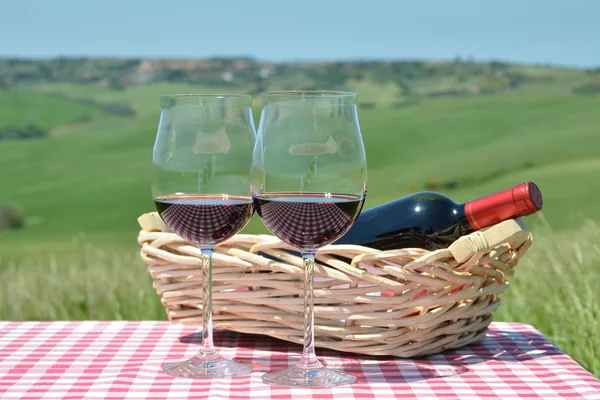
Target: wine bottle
(430, 220)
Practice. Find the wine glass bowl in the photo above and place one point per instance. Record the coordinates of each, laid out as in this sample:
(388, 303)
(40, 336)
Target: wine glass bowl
(309, 186)
(201, 187)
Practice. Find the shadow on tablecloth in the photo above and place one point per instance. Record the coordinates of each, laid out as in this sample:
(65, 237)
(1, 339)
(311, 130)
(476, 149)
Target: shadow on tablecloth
(499, 346)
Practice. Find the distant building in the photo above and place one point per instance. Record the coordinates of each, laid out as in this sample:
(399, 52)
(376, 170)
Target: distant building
(227, 76)
(265, 72)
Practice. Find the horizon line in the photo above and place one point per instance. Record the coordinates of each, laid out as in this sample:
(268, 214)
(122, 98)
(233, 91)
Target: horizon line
(463, 59)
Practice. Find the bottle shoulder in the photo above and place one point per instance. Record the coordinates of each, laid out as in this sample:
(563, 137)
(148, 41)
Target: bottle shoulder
(432, 199)
(427, 210)
(421, 213)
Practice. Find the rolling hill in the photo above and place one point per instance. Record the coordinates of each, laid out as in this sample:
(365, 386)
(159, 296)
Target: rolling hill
(93, 177)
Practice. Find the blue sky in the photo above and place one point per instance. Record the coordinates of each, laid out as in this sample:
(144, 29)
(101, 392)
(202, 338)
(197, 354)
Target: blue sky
(563, 32)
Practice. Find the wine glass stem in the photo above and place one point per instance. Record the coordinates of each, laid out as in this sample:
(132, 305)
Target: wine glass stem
(207, 329)
(309, 358)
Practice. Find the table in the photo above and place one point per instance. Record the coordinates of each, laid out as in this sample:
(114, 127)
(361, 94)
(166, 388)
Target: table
(122, 359)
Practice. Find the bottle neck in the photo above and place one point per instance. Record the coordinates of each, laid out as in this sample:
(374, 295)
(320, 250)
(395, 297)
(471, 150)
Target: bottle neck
(518, 201)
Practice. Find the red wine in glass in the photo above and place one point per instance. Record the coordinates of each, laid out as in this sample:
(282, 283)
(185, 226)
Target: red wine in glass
(308, 220)
(204, 219)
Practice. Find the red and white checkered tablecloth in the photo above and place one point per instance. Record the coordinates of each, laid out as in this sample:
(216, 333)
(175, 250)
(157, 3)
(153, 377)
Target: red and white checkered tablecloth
(122, 359)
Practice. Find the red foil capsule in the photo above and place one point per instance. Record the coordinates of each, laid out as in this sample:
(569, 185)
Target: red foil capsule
(518, 201)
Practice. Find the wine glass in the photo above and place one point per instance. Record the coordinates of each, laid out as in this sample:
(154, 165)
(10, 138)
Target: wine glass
(201, 188)
(308, 186)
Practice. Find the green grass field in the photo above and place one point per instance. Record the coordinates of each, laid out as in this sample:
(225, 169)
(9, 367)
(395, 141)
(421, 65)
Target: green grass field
(19, 108)
(94, 179)
(83, 187)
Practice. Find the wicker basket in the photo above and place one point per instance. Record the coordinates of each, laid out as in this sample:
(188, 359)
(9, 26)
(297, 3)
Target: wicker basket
(404, 303)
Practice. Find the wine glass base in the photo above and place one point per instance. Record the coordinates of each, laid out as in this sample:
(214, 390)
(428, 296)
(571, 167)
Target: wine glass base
(317, 377)
(207, 366)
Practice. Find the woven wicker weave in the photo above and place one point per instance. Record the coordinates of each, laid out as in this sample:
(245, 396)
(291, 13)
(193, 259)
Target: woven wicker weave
(404, 303)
